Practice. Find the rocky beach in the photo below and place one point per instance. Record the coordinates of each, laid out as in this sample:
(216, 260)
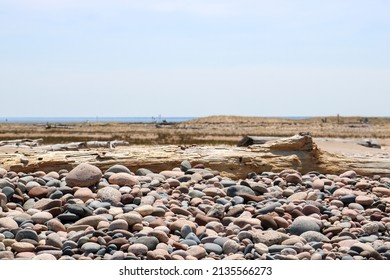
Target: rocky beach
(290, 198)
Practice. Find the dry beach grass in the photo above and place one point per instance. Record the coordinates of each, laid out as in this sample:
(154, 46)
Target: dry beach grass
(210, 130)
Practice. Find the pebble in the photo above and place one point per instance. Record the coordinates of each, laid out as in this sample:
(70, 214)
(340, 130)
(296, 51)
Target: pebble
(123, 179)
(213, 248)
(8, 223)
(26, 234)
(302, 224)
(41, 217)
(192, 213)
(90, 247)
(83, 175)
(118, 168)
(23, 247)
(230, 247)
(294, 178)
(109, 194)
(84, 194)
(364, 200)
(54, 239)
(311, 236)
(149, 241)
(197, 252)
(138, 249)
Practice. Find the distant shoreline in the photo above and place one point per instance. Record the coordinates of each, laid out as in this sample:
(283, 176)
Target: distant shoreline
(158, 119)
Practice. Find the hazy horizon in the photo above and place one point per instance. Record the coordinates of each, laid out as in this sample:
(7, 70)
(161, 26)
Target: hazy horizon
(194, 58)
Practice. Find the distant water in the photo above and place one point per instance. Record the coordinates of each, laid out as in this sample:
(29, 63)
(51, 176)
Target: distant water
(94, 119)
(116, 119)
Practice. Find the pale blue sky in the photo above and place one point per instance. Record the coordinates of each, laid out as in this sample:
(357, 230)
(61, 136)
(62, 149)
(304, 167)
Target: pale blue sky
(194, 58)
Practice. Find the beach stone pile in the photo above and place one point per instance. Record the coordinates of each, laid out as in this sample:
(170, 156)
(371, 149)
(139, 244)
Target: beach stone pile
(192, 212)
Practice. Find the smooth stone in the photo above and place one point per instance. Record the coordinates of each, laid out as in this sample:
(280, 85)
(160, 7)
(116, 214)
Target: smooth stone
(160, 235)
(269, 208)
(318, 184)
(177, 225)
(83, 175)
(238, 200)
(138, 249)
(98, 204)
(158, 254)
(186, 230)
(90, 247)
(23, 247)
(46, 203)
(149, 241)
(118, 168)
(228, 183)
(56, 195)
(310, 209)
(347, 199)
(239, 189)
(92, 221)
(197, 251)
(213, 191)
(109, 194)
(118, 224)
(230, 247)
(298, 196)
(372, 227)
(260, 189)
(55, 225)
(38, 192)
(3, 201)
(171, 174)
(242, 222)
(360, 247)
(54, 240)
(8, 192)
(143, 172)
(349, 174)
(45, 257)
(145, 210)
(311, 236)
(269, 237)
(123, 179)
(26, 234)
(261, 248)
(68, 217)
(302, 224)
(196, 194)
(368, 239)
(131, 218)
(41, 217)
(5, 183)
(349, 213)
(189, 242)
(79, 209)
(364, 200)
(84, 194)
(267, 221)
(185, 165)
(213, 248)
(294, 178)
(192, 236)
(382, 190)
(6, 255)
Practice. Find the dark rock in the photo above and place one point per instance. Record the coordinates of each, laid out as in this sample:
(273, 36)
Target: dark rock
(149, 241)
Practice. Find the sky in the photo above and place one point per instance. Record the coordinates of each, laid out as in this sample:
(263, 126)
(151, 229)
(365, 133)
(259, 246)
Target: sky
(194, 58)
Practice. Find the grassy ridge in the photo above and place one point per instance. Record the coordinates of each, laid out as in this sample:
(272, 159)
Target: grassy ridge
(209, 130)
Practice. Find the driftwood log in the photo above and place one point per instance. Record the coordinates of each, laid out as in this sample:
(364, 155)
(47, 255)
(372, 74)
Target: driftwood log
(298, 152)
(21, 142)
